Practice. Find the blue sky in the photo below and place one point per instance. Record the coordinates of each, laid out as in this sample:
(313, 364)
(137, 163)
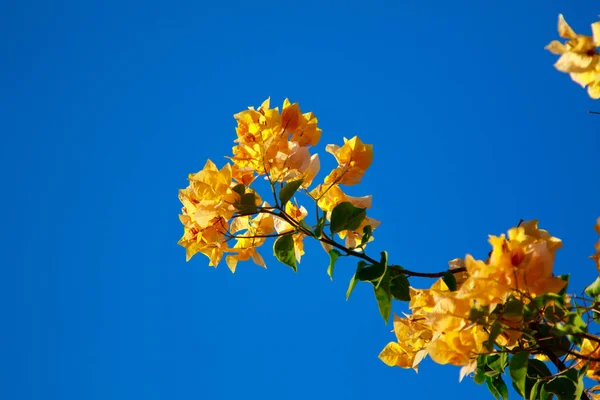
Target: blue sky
(107, 106)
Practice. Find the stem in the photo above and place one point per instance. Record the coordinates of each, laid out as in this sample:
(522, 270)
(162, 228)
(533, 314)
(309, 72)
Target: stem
(558, 363)
(397, 269)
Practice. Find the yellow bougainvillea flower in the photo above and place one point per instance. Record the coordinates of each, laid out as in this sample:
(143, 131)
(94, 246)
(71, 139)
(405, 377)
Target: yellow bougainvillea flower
(532, 261)
(459, 347)
(303, 127)
(255, 229)
(329, 196)
(521, 263)
(518, 265)
(207, 206)
(258, 126)
(353, 158)
(248, 159)
(535, 275)
(528, 233)
(250, 233)
(579, 53)
(273, 143)
(449, 313)
(243, 254)
(209, 194)
(209, 240)
(354, 238)
(488, 284)
(243, 175)
(291, 209)
(592, 350)
(292, 162)
(596, 257)
(579, 56)
(510, 337)
(413, 336)
(422, 300)
(282, 226)
(591, 79)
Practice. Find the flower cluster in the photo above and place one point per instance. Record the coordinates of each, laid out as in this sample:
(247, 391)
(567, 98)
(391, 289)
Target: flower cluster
(579, 56)
(220, 205)
(452, 326)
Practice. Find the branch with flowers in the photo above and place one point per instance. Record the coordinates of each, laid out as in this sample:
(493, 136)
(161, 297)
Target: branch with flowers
(504, 317)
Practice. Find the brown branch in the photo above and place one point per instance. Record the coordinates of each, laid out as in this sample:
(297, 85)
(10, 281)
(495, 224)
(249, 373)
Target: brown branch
(396, 268)
(558, 363)
(271, 235)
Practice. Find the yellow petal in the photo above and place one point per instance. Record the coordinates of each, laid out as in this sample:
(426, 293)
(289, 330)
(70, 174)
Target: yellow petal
(231, 263)
(467, 369)
(257, 258)
(395, 355)
(574, 62)
(311, 171)
(564, 30)
(555, 47)
(290, 116)
(266, 104)
(584, 78)
(596, 33)
(594, 90)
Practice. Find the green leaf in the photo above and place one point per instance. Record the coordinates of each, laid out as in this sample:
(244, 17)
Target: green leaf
(497, 387)
(288, 190)
(563, 387)
(555, 313)
(372, 273)
(333, 256)
(596, 309)
(498, 363)
(450, 281)
(594, 289)
(518, 371)
(354, 280)
(533, 395)
(384, 262)
(564, 277)
(320, 225)
(477, 313)
(544, 395)
(239, 189)
(479, 376)
(247, 203)
(574, 324)
(399, 287)
(304, 225)
(538, 368)
(384, 299)
(577, 379)
(283, 248)
(494, 333)
(367, 233)
(513, 308)
(346, 217)
(579, 386)
(532, 309)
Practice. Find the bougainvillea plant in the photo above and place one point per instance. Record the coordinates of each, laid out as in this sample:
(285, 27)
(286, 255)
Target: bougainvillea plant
(505, 316)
